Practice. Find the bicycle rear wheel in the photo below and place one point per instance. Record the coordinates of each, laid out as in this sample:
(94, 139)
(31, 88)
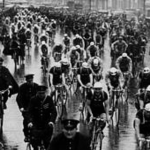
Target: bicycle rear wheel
(117, 111)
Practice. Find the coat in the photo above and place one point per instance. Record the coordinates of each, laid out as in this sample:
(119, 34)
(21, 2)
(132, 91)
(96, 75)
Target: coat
(8, 79)
(41, 112)
(60, 142)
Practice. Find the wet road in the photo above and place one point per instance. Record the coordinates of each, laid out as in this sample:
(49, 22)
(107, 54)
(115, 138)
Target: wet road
(13, 139)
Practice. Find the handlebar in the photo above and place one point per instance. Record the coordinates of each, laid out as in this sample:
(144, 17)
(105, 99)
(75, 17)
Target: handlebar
(58, 86)
(3, 91)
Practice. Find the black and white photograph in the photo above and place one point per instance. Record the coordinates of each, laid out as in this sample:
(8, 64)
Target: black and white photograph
(74, 74)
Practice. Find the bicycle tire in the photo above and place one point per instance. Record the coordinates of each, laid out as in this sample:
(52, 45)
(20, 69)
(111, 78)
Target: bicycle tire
(117, 112)
(59, 106)
(101, 139)
(28, 147)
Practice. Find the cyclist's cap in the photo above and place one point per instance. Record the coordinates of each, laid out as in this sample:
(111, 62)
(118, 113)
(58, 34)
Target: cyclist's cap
(148, 88)
(1, 59)
(70, 123)
(124, 55)
(147, 107)
(42, 88)
(29, 76)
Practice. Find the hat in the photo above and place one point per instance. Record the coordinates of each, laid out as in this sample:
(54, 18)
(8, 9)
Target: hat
(42, 88)
(1, 59)
(147, 107)
(70, 123)
(29, 76)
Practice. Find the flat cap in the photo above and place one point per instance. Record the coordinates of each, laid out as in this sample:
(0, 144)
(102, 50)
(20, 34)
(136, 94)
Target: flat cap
(29, 76)
(70, 123)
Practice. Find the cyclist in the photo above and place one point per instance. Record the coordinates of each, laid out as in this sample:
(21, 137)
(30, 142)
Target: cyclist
(92, 50)
(74, 56)
(96, 66)
(69, 138)
(124, 64)
(119, 46)
(66, 40)
(36, 31)
(78, 40)
(97, 103)
(142, 123)
(26, 91)
(144, 98)
(41, 117)
(66, 74)
(81, 52)
(57, 51)
(113, 81)
(55, 76)
(144, 79)
(44, 53)
(84, 78)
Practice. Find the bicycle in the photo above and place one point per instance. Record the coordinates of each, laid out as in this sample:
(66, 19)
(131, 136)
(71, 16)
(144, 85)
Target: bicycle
(116, 101)
(126, 76)
(97, 134)
(2, 109)
(74, 79)
(83, 109)
(29, 143)
(60, 100)
(45, 62)
(144, 144)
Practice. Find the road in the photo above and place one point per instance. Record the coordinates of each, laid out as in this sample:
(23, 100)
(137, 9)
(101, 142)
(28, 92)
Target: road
(13, 139)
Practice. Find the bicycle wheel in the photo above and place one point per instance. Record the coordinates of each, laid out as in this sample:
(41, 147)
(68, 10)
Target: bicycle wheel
(100, 140)
(125, 94)
(117, 111)
(29, 147)
(59, 106)
(94, 138)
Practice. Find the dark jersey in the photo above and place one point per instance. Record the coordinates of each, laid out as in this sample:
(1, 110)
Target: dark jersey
(97, 100)
(85, 75)
(57, 75)
(145, 124)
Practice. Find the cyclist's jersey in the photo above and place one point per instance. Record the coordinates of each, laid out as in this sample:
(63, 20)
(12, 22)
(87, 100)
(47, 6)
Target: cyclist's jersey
(85, 75)
(78, 41)
(44, 49)
(57, 75)
(144, 80)
(97, 99)
(28, 34)
(35, 30)
(58, 48)
(124, 64)
(145, 124)
(66, 41)
(92, 50)
(114, 80)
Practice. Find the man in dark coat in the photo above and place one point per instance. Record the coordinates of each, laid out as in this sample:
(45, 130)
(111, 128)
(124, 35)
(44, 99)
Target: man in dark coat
(26, 91)
(70, 139)
(42, 115)
(6, 80)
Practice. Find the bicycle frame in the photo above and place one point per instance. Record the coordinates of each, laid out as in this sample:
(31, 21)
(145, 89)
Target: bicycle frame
(60, 100)
(116, 101)
(97, 135)
(144, 144)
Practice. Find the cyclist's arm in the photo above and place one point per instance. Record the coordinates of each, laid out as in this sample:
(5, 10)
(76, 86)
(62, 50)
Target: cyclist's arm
(91, 79)
(79, 80)
(51, 80)
(118, 63)
(126, 45)
(113, 45)
(63, 80)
